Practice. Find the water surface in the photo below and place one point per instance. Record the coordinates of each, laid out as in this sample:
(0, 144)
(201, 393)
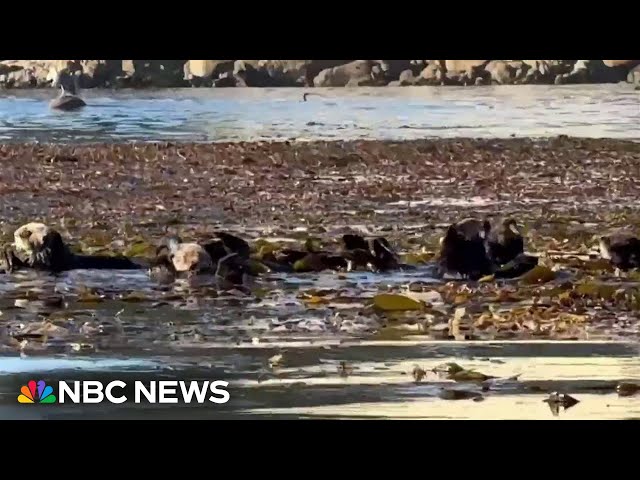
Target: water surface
(341, 113)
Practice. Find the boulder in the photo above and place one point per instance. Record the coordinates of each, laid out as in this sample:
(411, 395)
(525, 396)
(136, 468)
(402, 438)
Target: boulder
(501, 72)
(341, 75)
(431, 75)
(27, 73)
(634, 76)
(621, 63)
(153, 73)
(463, 65)
(393, 68)
(207, 69)
(406, 78)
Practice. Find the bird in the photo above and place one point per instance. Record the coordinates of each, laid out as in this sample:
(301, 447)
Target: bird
(68, 99)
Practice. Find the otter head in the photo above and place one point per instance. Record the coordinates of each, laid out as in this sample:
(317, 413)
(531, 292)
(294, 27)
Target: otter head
(169, 243)
(605, 245)
(191, 257)
(30, 238)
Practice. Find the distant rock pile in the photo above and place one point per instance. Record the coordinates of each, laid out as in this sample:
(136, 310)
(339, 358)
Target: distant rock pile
(314, 73)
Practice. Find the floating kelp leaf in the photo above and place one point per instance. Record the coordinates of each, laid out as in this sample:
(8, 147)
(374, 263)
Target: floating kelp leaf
(393, 302)
(448, 368)
(257, 268)
(539, 274)
(276, 360)
(596, 290)
(140, 249)
(134, 297)
(417, 258)
(88, 296)
(462, 298)
(265, 250)
(453, 394)
(429, 297)
(314, 299)
(469, 376)
(627, 389)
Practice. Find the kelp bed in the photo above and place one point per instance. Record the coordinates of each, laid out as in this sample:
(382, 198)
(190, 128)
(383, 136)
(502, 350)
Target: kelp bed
(123, 198)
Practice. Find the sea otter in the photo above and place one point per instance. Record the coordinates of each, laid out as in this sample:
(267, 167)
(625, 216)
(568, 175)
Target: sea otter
(40, 247)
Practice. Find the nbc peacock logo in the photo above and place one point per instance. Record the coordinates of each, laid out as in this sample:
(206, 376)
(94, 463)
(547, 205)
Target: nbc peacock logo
(38, 392)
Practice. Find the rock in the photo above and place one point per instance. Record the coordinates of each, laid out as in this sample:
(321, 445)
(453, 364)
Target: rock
(501, 72)
(463, 65)
(229, 79)
(407, 78)
(610, 71)
(634, 76)
(621, 63)
(392, 69)
(208, 69)
(431, 75)
(27, 73)
(156, 73)
(341, 75)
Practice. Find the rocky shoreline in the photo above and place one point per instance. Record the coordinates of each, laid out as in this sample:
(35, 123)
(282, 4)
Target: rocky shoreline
(314, 73)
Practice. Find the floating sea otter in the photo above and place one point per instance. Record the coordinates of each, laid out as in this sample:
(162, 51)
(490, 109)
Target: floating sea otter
(472, 249)
(40, 247)
(225, 258)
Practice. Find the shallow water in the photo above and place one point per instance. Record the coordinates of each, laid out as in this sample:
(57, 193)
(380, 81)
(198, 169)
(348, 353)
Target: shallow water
(380, 385)
(354, 113)
(181, 332)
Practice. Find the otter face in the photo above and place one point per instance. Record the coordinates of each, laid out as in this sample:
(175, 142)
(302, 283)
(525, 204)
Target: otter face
(191, 257)
(605, 244)
(30, 238)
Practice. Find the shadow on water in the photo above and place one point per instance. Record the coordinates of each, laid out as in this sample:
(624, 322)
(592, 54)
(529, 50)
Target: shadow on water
(381, 113)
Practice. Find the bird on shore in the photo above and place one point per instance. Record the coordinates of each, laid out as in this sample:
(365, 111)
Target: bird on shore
(68, 98)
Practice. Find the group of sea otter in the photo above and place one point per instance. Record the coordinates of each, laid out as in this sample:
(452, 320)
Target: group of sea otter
(471, 248)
